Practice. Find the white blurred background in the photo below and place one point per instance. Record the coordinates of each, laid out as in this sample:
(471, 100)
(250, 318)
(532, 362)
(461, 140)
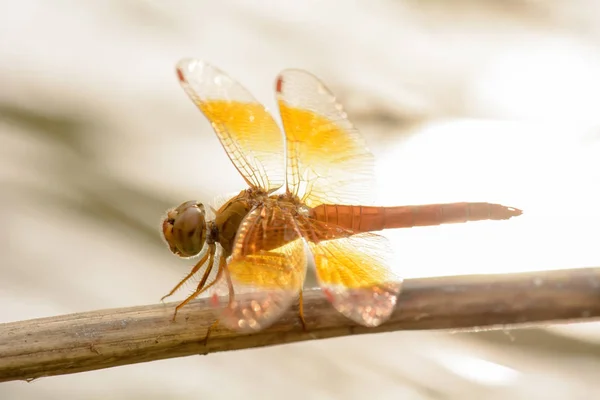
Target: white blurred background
(460, 101)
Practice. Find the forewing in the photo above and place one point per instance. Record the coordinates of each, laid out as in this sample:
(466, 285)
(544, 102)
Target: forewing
(266, 270)
(355, 273)
(327, 158)
(247, 131)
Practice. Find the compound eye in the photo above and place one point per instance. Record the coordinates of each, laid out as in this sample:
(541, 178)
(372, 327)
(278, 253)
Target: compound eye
(184, 229)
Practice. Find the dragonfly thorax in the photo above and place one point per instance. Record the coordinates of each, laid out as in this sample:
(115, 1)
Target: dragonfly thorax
(184, 229)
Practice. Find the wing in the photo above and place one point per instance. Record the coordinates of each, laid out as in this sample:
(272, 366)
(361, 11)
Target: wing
(355, 272)
(266, 270)
(247, 131)
(327, 159)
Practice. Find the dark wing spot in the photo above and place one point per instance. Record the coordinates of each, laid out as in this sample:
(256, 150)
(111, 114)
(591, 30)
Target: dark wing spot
(180, 76)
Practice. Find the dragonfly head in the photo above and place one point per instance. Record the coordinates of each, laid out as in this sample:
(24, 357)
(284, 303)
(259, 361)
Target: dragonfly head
(184, 229)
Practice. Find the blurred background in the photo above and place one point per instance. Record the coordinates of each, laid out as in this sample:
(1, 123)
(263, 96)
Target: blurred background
(460, 101)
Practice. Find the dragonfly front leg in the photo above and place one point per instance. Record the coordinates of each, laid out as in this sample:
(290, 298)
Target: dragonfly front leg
(188, 276)
(201, 286)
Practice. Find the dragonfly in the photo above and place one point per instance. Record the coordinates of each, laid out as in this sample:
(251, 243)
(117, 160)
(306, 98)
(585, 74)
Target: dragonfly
(309, 195)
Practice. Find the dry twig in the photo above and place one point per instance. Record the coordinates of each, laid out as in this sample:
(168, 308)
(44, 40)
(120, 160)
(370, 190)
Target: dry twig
(107, 338)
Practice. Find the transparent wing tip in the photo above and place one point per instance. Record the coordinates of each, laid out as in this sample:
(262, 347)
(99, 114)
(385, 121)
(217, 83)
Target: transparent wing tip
(294, 79)
(368, 306)
(187, 66)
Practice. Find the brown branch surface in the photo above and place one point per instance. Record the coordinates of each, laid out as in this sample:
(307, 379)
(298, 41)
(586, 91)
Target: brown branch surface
(107, 338)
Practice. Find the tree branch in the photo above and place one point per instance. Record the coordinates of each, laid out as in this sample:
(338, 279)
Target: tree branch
(107, 338)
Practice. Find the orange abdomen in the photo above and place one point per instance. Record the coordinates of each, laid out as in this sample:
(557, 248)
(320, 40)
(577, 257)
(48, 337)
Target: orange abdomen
(369, 219)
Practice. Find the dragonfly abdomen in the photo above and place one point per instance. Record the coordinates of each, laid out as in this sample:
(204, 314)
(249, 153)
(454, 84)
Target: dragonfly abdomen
(369, 219)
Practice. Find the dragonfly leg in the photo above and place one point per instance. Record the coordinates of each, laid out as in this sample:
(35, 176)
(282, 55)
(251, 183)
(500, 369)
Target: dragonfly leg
(222, 262)
(302, 320)
(188, 276)
(229, 287)
(208, 332)
(201, 288)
